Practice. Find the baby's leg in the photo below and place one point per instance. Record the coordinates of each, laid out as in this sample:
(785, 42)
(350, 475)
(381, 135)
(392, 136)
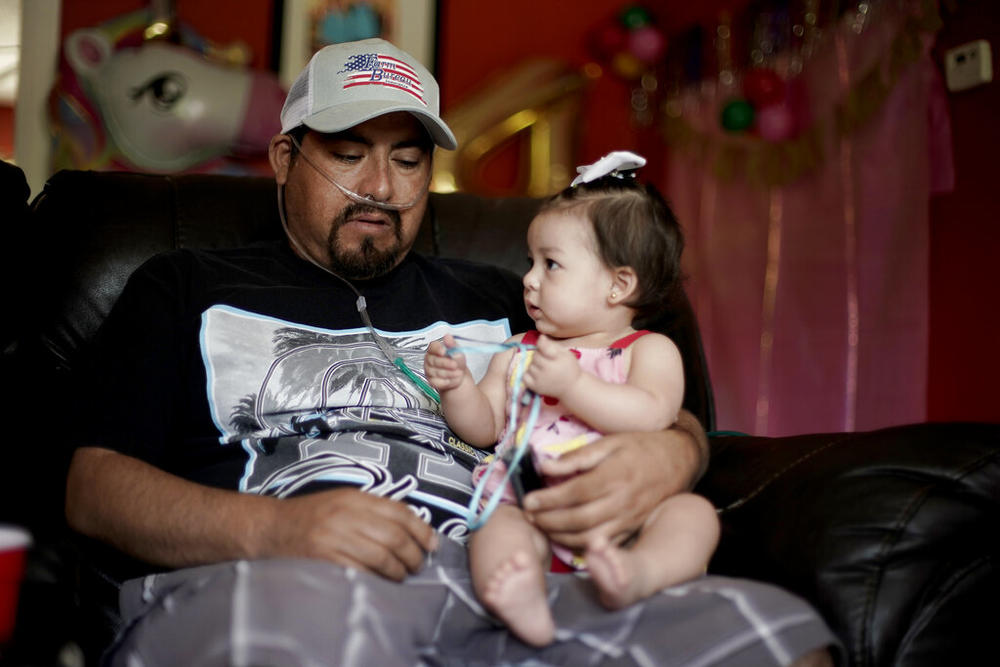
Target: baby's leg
(673, 546)
(506, 557)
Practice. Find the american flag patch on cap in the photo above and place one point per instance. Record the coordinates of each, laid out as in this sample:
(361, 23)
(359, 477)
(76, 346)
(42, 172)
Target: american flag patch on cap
(375, 69)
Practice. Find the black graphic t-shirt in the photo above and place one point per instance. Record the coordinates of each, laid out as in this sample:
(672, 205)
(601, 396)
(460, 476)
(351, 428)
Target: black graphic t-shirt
(251, 370)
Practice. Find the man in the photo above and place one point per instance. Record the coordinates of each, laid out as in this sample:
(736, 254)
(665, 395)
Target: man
(248, 428)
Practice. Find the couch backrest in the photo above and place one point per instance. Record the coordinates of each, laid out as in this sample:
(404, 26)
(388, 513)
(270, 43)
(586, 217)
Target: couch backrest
(90, 230)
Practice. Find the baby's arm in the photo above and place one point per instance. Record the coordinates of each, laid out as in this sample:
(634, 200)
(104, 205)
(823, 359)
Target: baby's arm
(648, 401)
(474, 412)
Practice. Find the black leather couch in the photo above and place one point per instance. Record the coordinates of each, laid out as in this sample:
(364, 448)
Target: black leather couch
(893, 535)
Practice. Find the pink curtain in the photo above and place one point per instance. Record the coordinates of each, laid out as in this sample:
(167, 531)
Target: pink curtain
(812, 297)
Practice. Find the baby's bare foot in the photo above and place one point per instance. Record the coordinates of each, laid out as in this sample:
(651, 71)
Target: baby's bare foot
(516, 593)
(617, 574)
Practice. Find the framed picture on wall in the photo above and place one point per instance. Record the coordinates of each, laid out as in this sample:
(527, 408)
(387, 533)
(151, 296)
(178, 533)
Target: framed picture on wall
(309, 25)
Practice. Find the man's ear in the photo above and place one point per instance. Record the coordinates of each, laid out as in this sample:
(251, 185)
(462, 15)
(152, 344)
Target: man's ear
(625, 284)
(279, 153)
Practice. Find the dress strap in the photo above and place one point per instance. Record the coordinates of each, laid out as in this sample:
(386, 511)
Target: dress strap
(531, 337)
(622, 343)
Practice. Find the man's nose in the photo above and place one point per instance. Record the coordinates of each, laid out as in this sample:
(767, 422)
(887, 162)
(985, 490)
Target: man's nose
(375, 180)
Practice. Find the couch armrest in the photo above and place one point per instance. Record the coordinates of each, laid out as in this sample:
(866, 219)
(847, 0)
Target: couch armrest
(891, 534)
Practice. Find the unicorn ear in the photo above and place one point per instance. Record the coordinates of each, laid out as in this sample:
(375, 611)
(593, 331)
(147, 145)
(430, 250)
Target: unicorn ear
(87, 51)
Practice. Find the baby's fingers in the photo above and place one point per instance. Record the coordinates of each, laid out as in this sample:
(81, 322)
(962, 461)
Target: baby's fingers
(437, 350)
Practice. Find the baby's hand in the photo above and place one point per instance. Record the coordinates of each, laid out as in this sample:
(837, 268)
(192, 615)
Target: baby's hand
(443, 371)
(553, 369)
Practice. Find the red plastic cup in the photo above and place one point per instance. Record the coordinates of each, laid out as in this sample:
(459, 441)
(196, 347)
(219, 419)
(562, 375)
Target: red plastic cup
(14, 543)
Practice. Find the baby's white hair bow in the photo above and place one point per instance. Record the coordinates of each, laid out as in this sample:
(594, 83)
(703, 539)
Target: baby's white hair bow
(610, 164)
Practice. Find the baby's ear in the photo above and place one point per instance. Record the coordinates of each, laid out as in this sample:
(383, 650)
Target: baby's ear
(625, 284)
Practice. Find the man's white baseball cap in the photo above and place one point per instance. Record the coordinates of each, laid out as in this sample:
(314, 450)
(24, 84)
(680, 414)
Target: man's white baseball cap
(346, 84)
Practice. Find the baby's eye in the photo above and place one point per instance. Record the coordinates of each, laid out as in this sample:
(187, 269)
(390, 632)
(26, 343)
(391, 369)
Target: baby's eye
(551, 264)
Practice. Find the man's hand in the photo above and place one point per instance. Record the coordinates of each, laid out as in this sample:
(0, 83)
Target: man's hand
(553, 369)
(352, 528)
(165, 520)
(619, 480)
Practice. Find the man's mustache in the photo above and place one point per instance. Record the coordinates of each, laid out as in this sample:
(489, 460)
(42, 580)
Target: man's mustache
(355, 209)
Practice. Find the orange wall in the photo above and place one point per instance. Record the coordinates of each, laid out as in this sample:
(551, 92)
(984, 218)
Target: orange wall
(6, 132)
(965, 241)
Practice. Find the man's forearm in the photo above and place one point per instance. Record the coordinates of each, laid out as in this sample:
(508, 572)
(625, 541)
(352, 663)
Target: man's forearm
(699, 451)
(158, 517)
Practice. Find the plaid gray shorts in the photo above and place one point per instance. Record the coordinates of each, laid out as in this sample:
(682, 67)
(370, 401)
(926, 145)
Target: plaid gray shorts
(304, 612)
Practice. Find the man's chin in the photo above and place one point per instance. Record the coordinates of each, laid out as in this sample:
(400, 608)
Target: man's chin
(363, 257)
(363, 264)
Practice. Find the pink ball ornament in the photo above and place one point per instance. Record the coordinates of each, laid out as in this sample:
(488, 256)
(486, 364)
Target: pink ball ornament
(763, 87)
(775, 123)
(647, 44)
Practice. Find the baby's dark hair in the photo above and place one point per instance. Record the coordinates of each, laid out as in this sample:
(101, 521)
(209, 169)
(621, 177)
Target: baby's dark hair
(634, 226)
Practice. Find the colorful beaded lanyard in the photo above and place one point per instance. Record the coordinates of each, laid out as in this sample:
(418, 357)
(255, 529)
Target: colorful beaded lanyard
(512, 455)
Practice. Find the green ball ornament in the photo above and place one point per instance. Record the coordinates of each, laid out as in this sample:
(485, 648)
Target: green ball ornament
(737, 115)
(635, 17)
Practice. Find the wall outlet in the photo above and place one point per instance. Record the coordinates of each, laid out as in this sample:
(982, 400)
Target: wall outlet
(968, 65)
